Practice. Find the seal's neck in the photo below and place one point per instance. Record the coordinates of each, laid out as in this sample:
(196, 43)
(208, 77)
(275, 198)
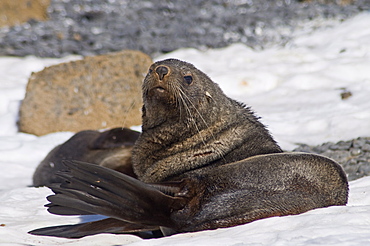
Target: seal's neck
(173, 146)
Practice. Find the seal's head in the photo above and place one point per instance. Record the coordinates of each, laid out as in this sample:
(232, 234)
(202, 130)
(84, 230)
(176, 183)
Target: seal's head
(189, 123)
(176, 89)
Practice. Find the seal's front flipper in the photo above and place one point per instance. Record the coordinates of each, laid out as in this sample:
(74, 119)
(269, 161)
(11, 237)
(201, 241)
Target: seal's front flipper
(92, 189)
(95, 227)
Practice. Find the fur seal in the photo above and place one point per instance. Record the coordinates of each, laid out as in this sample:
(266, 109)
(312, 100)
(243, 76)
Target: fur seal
(110, 148)
(203, 161)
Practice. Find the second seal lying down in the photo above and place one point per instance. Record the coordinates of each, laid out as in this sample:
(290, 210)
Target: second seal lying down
(203, 161)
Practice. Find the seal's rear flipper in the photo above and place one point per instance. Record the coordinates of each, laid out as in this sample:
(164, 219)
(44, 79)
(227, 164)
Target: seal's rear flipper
(92, 189)
(95, 227)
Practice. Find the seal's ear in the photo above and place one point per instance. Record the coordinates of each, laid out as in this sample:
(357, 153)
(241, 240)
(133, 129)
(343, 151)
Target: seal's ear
(209, 97)
(115, 138)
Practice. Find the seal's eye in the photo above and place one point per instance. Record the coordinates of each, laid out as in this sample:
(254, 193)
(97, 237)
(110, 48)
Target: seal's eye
(188, 79)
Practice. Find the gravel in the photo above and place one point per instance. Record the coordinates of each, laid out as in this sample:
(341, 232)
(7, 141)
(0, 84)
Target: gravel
(90, 27)
(353, 155)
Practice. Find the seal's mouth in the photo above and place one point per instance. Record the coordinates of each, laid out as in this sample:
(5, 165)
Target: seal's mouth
(159, 89)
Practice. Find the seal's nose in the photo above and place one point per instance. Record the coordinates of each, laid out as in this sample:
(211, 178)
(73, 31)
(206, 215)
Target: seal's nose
(161, 71)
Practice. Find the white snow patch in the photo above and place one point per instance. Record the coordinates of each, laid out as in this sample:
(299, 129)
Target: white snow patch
(296, 90)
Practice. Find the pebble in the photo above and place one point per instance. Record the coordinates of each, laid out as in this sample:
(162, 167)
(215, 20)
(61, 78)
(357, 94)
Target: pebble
(366, 147)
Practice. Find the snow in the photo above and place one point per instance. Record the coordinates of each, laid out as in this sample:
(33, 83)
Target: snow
(296, 90)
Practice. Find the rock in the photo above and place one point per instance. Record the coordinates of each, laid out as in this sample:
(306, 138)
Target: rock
(366, 147)
(340, 2)
(96, 27)
(15, 12)
(353, 155)
(94, 93)
(355, 152)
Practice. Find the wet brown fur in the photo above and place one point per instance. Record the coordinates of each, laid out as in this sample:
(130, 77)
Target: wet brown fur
(203, 161)
(187, 126)
(111, 148)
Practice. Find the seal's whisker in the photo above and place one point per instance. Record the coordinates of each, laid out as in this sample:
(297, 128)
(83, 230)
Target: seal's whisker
(183, 98)
(174, 91)
(217, 149)
(187, 108)
(221, 154)
(126, 111)
(180, 100)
